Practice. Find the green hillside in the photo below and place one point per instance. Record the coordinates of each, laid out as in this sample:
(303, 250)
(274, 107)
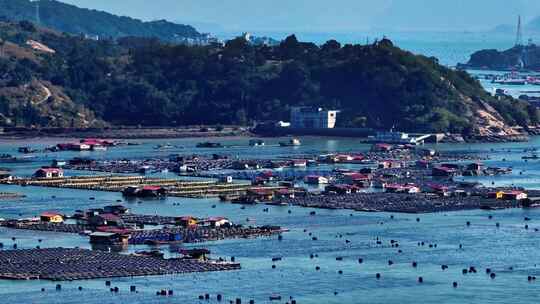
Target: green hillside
(139, 81)
(71, 19)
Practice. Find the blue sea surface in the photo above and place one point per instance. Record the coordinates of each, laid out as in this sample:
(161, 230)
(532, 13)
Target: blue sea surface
(510, 250)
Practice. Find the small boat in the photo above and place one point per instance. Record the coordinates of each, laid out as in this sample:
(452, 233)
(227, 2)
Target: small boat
(8, 158)
(275, 297)
(26, 150)
(256, 142)
(209, 145)
(532, 156)
(293, 142)
(99, 148)
(163, 147)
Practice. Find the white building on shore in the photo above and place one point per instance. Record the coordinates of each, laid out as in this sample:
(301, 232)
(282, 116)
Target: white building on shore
(313, 118)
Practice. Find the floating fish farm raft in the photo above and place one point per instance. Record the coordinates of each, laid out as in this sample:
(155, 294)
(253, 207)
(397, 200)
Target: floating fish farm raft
(63, 264)
(399, 202)
(175, 187)
(137, 237)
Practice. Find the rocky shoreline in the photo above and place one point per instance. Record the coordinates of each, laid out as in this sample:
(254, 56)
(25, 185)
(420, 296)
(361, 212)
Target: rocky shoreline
(126, 132)
(207, 131)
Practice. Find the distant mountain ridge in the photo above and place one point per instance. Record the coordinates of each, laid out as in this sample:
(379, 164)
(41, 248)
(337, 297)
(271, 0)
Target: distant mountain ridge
(72, 19)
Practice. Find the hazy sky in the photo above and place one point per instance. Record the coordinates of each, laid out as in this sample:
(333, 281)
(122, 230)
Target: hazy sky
(325, 15)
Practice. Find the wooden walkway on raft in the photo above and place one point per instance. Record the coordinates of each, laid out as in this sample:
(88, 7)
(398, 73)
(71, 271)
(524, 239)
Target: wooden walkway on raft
(175, 187)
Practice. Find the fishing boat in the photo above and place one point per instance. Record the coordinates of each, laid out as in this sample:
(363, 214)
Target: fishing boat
(8, 158)
(26, 150)
(209, 145)
(164, 147)
(256, 142)
(532, 156)
(293, 142)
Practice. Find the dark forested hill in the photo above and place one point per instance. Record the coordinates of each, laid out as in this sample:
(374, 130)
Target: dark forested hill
(71, 19)
(527, 57)
(140, 81)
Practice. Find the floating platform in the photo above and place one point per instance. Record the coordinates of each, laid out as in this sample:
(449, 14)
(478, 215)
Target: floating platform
(67, 264)
(174, 187)
(137, 237)
(402, 203)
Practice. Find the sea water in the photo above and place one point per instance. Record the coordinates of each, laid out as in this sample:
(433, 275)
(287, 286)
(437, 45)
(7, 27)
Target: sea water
(510, 250)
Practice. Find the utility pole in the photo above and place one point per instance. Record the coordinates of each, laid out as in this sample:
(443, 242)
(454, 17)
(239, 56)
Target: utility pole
(38, 17)
(519, 33)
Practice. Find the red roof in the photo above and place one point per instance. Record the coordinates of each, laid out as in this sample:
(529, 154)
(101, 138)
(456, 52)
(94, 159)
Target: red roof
(152, 188)
(96, 141)
(50, 170)
(284, 191)
(261, 191)
(356, 176)
(50, 214)
(513, 192)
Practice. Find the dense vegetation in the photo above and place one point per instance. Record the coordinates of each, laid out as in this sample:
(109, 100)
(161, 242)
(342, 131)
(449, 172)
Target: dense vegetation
(139, 81)
(71, 19)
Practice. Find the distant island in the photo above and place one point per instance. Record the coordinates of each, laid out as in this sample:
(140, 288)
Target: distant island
(517, 57)
(60, 80)
(94, 24)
